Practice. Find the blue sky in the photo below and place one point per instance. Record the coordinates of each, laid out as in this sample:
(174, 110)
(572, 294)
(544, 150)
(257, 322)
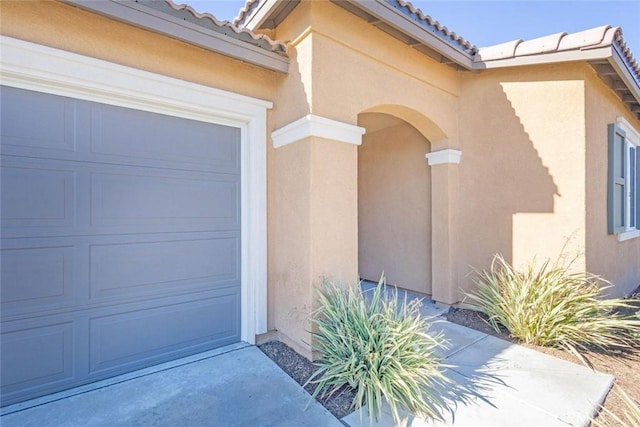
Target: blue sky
(486, 23)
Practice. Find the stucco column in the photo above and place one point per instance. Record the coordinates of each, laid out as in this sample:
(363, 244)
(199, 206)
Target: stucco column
(444, 196)
(316, 218)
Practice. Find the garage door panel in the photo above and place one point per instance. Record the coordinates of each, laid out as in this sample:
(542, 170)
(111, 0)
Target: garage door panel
(129, 269)
(35, 278)
(141, 336)
(37, 356)
(47, 198)
(118, 200)
(33, 122)
(121, 244)
(37, 197)
(49, 126)
(134, 135)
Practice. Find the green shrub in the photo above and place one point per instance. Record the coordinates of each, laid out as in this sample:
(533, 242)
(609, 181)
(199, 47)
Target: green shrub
(378, 346)
(548, 305)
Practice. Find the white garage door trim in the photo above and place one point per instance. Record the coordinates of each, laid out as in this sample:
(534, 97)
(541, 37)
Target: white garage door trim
(35, 67)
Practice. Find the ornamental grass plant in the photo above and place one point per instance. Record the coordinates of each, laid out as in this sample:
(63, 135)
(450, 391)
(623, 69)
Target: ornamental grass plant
(549, 305)
(378, 346)
(631, 417)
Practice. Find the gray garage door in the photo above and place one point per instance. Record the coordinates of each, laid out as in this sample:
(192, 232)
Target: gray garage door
(120, 240)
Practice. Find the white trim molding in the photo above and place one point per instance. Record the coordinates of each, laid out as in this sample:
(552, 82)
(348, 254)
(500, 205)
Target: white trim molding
(628, 235)
(312, 125)
(446, 156)
(628, 128)
(632, 140)
(39, 68)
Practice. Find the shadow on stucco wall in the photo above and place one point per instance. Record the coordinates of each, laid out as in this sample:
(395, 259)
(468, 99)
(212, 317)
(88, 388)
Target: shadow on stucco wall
(504, 177)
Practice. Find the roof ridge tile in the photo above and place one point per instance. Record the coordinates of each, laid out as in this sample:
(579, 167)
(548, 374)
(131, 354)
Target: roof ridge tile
(593, 38)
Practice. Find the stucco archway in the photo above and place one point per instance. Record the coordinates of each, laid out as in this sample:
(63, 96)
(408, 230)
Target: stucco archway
(400, 230)
(427, 127)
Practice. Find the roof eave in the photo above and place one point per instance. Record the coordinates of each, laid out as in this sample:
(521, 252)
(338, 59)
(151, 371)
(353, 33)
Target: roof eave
(546, 58)
(256, 18)
(386, 13)
(150, 19)
(621, 66)
(268, 14)
(610, 54)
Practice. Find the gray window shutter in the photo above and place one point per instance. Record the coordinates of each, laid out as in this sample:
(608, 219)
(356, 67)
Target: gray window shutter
(638, 187)
(616, 194)
(632, 187)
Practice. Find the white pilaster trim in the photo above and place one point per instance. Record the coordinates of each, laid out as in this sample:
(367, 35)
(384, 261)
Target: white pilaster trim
(312, 125)
(446, 156)
(39, 68)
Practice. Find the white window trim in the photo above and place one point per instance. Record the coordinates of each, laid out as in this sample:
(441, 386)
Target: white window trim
(39, 68)
(632, 139)
(628, 235)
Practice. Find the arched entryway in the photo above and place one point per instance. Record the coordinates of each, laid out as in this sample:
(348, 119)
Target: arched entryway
(394, 203)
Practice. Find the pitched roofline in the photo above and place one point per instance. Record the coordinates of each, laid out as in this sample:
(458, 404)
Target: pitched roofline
(602, 47)
(399, 18)
(203, 30)
(257, 14)
(245, 12)
(599, 46)
(434, 25)
(626, 68)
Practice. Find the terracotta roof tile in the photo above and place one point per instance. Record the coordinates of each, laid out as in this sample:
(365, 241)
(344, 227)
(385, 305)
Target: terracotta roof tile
(242, 13)
(628, 55)
(540, 45)
(209, 21)
(591, 37)
(426, 20)
(561, 42)
(430, 22)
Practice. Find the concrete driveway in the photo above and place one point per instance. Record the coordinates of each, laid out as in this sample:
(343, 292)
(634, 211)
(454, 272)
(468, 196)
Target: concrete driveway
(234, 386)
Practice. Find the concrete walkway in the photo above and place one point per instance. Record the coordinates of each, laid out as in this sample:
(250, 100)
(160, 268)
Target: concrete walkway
(502, 384)
(239, 387)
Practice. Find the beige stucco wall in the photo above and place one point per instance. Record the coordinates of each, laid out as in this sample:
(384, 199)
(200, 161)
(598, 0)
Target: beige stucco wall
(522, 186)
(520, 189)
(394, 205)
(618, 262)
(340, 67)
(66, 27)
(312, 231)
